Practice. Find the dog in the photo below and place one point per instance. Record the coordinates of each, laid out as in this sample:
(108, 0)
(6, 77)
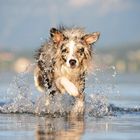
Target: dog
(63, 62)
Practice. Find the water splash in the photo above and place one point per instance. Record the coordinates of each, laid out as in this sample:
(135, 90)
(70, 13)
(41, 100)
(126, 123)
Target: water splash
(22, 96)
(18, 95)
(103, 81)
(96, 105)
(54, 106)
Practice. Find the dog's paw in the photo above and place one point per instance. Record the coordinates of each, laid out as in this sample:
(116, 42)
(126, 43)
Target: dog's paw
(69, 86)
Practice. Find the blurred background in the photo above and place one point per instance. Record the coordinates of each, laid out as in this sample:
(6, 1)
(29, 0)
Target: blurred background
(25, 25)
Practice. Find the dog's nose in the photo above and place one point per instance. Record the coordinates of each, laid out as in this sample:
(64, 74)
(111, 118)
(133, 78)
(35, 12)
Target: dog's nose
(72, 62)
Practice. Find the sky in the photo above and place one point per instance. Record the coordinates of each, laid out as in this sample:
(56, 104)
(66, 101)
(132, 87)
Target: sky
(26, 23)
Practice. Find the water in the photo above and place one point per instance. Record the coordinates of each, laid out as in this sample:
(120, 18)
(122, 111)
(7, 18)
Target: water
(112, 110)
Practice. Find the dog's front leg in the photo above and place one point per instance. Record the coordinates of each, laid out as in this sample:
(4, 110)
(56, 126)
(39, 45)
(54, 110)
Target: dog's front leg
(63, 84)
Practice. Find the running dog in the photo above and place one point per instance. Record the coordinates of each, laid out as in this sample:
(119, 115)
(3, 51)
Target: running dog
(63, 62)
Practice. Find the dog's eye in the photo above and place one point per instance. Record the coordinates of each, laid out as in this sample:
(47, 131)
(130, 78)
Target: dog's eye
(81, 51)
(64, 50)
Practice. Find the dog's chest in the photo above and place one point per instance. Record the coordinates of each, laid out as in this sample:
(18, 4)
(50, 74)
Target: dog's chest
(66, 72)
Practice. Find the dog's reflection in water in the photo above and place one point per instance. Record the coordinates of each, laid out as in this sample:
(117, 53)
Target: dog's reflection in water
(60, 129)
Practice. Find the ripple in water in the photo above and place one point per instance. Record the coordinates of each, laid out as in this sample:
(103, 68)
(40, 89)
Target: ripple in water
(22, 97)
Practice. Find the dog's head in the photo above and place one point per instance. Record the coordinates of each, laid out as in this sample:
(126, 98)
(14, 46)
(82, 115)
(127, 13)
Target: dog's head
(74, 47)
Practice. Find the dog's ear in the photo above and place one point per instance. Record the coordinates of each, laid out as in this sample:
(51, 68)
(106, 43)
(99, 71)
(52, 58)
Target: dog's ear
(91, 38)
(56, 35)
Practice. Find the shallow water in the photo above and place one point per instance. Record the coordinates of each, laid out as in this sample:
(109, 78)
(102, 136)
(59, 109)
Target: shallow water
(119, 95)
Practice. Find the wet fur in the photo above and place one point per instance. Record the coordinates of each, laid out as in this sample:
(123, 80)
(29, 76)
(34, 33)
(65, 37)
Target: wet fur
(53, 73)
